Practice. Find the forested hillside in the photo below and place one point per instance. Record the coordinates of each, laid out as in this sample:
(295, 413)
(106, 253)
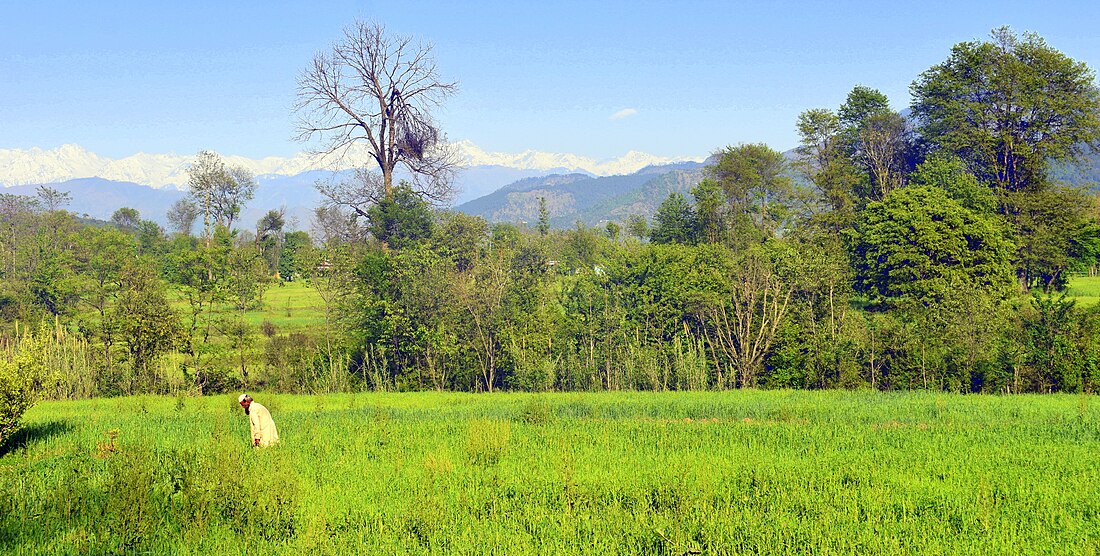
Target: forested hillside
(890, 252)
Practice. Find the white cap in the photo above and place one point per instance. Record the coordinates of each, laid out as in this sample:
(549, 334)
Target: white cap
(241, 398)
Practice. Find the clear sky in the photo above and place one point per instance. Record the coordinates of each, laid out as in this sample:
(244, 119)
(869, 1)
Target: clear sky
(685, 78)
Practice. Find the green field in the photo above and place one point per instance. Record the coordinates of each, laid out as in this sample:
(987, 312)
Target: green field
(622, 473)
(1086, 289)
(290, 306)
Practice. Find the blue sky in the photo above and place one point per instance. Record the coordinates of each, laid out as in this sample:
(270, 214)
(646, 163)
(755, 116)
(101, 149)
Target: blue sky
(121, 77)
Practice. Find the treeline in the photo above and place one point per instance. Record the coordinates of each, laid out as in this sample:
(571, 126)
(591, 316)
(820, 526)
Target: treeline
(128, 307)
(892, 252)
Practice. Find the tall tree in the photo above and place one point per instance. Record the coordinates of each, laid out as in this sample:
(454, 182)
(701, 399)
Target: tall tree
(1007, 106)
(757, 186)
(823, 160)
(674, 221)
(544, 218)
(221, 191)
(917, 245)
(269, 237)
(380, 89)
(876, 139)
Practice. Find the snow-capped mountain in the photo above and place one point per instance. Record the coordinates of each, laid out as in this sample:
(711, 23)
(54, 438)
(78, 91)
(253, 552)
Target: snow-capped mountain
(67, 162)
(629, 163)
(39, 166)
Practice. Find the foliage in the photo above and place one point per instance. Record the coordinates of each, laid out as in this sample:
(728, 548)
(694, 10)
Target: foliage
(1007, 106)
(851, 266)
(757, 188)
(220, 191)
(674, 221)
(918, 244)
(22, 374)
(401, 218)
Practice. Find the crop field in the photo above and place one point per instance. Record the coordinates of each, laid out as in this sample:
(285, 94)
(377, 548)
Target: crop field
(620, 473)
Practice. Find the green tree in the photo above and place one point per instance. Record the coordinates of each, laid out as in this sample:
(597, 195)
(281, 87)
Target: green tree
(462, 238)
(824, 161)
(674, 221)
(876, 139)
(220, 191)
(918, 244)
(1055, 234)
(612, 228)
(126, 218)
(294, 257)
(1007, 106)
(269, 238)
(21, 375)
(710, 221)
(949, 173)
(544, 218)
(101, 256)
(150, 238)
(757, 187)
(400, 219)
(149, 327)
(637, 226)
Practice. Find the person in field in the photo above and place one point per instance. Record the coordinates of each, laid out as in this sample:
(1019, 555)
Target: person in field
(263, 428)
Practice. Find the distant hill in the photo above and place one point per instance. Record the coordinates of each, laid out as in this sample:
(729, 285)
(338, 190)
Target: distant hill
(588, 199)
(99, 198)
(1086, 172)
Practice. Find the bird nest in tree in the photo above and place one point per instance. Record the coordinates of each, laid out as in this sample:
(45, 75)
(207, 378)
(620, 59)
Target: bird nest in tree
(415, 137)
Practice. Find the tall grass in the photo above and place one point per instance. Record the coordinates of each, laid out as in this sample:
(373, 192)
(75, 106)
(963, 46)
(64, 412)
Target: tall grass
(623, 473)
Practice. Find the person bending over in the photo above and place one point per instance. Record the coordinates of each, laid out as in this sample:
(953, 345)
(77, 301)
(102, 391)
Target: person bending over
(263, 428)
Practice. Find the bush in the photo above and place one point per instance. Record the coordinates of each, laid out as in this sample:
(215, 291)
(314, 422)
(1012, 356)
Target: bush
(22, 371)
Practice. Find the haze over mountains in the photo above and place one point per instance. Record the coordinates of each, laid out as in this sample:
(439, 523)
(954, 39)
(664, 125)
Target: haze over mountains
(150, 183)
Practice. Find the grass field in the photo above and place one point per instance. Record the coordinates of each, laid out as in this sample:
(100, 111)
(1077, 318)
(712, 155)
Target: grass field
(1086, 289)
(290, 306)
(622, 473)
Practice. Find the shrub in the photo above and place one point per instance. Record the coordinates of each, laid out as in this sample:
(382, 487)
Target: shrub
(22, 372)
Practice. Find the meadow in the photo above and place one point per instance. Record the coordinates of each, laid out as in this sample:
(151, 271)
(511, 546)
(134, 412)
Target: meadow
(833, 472)
(1085, 289)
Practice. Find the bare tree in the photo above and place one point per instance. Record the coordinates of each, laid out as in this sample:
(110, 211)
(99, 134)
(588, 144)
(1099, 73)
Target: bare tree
(379, 90)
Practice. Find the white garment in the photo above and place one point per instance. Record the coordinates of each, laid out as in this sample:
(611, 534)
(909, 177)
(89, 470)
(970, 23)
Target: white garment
(263, 428)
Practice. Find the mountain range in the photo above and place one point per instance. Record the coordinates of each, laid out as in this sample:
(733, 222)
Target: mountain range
(38, 166)
(592, 200)
(150, 183)
(499, 187)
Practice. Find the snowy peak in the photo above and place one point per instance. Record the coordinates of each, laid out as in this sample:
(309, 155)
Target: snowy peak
(631, 162)
(38, 166)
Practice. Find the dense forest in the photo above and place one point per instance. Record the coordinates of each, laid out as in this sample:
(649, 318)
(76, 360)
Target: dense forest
(924, 249)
